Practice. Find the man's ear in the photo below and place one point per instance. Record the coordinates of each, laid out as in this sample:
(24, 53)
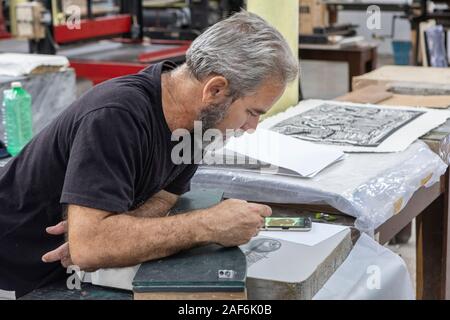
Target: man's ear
(215, 90)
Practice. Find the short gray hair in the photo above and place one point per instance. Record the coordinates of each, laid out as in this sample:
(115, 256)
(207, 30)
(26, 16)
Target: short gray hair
(244, 49)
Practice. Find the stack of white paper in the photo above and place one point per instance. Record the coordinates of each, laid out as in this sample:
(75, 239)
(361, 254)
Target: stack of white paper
(303, 157)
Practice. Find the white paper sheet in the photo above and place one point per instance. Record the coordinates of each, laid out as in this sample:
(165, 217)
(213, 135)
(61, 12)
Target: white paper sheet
(397, 141)
(285, 261)
(303, 157)
(7, 295)
(121, 278)
(319, 232)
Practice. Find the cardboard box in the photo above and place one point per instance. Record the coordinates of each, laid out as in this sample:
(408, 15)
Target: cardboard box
(398, 74)
(383, 94)
(29, 24)
(403, 86)
(312, 13)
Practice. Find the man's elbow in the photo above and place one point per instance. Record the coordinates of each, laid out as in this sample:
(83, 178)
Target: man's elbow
(84, 256)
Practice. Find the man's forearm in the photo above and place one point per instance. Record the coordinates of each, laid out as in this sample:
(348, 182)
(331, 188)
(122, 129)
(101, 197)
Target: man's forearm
(124, 240)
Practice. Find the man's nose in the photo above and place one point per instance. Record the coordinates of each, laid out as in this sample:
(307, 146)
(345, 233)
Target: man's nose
(251, 124)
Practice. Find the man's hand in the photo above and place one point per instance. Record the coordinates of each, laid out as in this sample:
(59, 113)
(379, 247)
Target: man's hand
(62, 252)
(234, 222)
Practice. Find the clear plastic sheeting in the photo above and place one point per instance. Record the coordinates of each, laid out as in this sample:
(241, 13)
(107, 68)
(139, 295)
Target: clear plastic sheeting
(369, 187)
(51, 93)
(370, 272)
(444, 146)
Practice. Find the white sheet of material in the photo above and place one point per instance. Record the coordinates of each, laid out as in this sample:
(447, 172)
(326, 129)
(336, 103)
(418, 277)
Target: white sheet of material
(287, 261)
(370, 272)
(7, 295)
(19, 64)
(319, 232)
(121, 278)
(397, 141)
(305, 158)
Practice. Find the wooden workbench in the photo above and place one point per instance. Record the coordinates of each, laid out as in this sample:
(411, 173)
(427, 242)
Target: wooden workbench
(360, 58)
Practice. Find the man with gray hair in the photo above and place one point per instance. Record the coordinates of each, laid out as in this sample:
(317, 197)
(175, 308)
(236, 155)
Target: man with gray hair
(105, 162)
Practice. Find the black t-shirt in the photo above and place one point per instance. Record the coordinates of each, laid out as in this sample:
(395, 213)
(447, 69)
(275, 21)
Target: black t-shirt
(109, 150)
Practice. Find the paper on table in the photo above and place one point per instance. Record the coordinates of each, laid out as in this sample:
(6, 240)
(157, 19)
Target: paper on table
(397, 141)
(121, 278)
(305, 158)
(319, 232)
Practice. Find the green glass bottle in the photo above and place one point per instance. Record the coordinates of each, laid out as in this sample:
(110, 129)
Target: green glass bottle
(17, 118)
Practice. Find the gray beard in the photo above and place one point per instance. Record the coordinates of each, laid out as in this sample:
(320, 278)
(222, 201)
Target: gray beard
(211, 116)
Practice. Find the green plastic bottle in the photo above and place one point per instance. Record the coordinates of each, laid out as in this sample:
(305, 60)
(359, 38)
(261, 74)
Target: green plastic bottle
(17, 118)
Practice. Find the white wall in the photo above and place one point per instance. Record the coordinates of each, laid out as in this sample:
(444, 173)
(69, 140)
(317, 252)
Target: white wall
(402, 27)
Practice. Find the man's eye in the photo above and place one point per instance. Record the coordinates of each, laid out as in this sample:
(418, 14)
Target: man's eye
(251, 113)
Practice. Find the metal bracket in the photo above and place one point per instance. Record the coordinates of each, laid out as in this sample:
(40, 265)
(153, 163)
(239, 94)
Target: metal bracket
(226, 274)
